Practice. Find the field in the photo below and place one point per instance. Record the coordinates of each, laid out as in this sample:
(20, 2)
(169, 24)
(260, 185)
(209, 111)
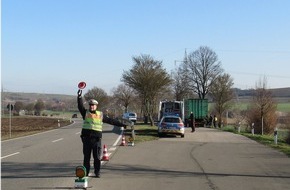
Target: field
(22, 126)
(281, 106)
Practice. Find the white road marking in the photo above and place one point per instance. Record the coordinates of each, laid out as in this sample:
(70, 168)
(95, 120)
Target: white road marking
(10, 155)
(118, 139)
(57, 140)
(112, 149)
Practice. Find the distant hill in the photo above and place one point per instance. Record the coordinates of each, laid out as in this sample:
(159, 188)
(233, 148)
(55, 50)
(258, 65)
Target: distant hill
(8, 97)
(276, 92)
(283, 93)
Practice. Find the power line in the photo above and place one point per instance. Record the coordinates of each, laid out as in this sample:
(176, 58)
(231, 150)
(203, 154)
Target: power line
(256, 51)
(256, 74)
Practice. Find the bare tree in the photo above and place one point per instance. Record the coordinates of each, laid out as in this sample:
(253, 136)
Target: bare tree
(262, 110)
(113, 109)
(222, 94)
(29, 107)
(148, 78)
(39, 106)
(179, 84)
(287, 125)
(98, 94)
(239, 116)
(124, 95)
(202, 68)
(18, 106)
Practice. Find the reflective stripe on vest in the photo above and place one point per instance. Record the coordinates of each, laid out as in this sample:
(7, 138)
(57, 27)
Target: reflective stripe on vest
(93, 121)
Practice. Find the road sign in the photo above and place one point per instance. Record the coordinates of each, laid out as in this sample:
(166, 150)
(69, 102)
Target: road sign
(10, 107)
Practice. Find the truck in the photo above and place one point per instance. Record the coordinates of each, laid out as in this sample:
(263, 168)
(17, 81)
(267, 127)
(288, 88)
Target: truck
(199, 108)
(175, 108)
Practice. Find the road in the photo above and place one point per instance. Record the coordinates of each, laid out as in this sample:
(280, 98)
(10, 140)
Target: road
(46, 160)
(207, 159)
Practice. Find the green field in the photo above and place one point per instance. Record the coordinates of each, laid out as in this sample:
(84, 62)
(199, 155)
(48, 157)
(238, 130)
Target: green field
(282, 107)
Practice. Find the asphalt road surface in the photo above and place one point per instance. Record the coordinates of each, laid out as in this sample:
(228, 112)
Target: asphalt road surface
(207, 159)
(47, 160)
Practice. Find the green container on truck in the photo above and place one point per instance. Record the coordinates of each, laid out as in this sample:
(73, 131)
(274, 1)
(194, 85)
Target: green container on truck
(199, 108)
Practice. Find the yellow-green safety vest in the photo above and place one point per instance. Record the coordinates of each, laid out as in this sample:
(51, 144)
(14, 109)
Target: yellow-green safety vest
(93, 121)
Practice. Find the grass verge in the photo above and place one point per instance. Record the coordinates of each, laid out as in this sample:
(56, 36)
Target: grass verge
(267, 140)
(143, 133)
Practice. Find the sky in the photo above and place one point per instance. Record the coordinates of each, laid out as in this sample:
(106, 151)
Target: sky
(49, 46)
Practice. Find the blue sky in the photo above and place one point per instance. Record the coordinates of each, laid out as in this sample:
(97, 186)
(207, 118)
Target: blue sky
(48, 46)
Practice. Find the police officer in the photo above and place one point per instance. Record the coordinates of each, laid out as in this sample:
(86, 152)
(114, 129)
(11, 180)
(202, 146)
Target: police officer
(91, 134)
(214, 121)
(191, 122)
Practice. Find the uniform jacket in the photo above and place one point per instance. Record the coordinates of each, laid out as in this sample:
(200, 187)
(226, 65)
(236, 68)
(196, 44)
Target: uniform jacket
(106, 119)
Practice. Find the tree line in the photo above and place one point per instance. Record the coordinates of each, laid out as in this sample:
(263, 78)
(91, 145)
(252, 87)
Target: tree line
(199, 75)
(29, 108)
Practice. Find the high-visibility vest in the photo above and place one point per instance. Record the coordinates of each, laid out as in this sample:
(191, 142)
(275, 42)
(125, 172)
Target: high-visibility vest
(93, 121)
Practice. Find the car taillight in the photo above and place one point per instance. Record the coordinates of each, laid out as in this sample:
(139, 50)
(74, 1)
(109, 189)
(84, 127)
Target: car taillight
(163, 124)
(180, 125)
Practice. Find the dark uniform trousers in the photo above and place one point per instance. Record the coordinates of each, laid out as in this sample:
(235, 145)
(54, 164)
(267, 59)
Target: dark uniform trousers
(92, 143)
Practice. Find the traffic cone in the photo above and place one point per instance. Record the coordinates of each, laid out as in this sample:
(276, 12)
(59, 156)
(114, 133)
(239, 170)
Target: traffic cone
(105, 154)
(123, 143)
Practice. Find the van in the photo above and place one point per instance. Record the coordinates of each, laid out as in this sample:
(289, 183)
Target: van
(130, 116)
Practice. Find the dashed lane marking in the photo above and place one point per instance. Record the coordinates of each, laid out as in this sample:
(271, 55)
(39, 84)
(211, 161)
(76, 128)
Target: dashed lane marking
(57, 140)
(10, 155)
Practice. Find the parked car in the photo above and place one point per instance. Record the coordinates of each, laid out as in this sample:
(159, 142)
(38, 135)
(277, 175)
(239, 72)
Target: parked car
(171, 125)
(130, 116)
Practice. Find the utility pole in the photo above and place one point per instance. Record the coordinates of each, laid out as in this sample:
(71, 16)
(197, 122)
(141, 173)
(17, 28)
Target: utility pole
(10, 108)
(2, 107)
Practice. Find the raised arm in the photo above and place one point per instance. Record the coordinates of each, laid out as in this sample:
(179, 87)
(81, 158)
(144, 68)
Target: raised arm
(112, 121)
(81, 104)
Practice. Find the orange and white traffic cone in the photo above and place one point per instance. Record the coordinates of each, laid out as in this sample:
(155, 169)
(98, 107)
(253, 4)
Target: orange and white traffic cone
(105, 154)
(123, 143)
